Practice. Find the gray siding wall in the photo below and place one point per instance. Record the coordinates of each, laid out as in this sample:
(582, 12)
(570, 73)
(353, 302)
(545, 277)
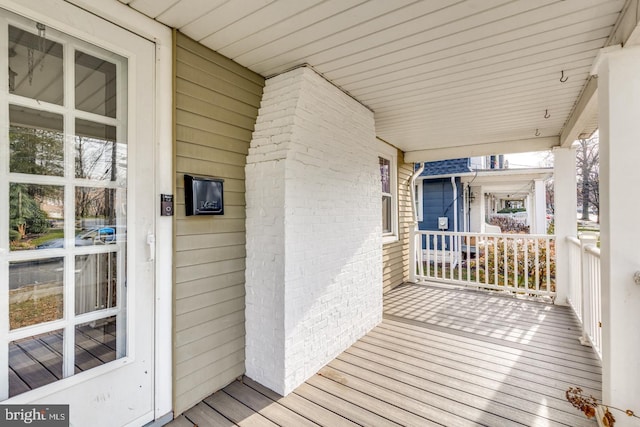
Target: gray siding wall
(216, 105)
(395, 256)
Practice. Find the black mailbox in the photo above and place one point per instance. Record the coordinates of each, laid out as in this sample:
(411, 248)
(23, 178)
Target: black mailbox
(203, 195)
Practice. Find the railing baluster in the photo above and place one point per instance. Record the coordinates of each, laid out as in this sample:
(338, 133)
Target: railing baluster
(443, 256)
(548, 263)
(506, 263)
(515, 263)
(495, 261)
(459, 254)
(468, 257)
(537, 264)
(525, 248)
(427, 250)
(451, 264)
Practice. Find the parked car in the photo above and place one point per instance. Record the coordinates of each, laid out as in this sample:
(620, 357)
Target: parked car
(104, 235)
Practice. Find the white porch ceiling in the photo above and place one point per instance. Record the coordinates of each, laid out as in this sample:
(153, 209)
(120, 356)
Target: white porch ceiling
(437, 73)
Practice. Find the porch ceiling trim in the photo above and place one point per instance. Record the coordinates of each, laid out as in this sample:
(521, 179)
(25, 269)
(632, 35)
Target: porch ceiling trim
(584, 112)
(513, 146)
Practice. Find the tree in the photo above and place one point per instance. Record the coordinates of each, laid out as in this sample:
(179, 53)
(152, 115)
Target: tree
(587, 164)
(25, 215)
(36, 151)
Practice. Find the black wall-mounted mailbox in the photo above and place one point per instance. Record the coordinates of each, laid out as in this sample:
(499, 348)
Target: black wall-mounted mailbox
(203, 195)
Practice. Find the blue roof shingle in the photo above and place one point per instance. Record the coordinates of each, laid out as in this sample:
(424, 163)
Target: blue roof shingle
(446, 167)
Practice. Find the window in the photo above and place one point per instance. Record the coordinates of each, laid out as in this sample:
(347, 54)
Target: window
(387, 160)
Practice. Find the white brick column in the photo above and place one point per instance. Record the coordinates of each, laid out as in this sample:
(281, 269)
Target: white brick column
(314, 229)
(619, 110)
(565, 219)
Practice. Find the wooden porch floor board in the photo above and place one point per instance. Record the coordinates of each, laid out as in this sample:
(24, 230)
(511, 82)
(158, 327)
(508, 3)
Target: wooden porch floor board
(204, 415)
(514, 312)
(406, 350)
(477, 355)
(237, 412)
(275, 412)
(467, 388)
(343, 406)
(440, 357)
(489, 345)
(391, 405)
(311, 410)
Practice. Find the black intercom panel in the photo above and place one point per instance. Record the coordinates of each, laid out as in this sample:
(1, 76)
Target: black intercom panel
(166, 204)
(203, 195)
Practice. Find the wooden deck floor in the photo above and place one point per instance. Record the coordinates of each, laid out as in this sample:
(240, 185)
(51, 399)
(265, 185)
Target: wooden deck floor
(440, 357)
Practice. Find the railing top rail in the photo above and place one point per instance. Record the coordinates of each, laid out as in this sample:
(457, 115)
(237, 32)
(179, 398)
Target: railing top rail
(472, 234)
(574, 240)
(592, 249)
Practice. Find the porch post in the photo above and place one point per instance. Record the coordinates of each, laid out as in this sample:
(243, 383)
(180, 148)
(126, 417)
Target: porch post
(540, 213)
(619, 109)
(565, 220)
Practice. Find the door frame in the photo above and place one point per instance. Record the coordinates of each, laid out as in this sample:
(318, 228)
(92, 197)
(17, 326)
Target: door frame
(122, 15)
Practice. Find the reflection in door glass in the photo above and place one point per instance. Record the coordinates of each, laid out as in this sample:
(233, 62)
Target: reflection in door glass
(100, 216)
(35, 142)
(35, 291)
(95, 85)
(35, 361)
(96, 282)
(36, 216)
(98, 155)
(96, 343)
(35, 65)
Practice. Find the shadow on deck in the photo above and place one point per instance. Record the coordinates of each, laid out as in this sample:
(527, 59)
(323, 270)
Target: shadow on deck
(440, 357)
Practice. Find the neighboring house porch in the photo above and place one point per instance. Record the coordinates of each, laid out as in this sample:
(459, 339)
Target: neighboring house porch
(441, 356)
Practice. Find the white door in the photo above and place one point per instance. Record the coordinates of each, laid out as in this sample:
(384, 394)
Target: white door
(76, 209)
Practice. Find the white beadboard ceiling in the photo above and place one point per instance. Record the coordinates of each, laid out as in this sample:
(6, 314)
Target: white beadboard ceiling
(437, 73)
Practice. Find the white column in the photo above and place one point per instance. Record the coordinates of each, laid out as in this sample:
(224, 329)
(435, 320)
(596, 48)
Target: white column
(619, 110)
(540, 203)
(564, 165)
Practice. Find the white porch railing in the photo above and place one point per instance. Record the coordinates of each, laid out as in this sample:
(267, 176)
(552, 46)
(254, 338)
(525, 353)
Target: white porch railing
(518, 263)
(585, 289)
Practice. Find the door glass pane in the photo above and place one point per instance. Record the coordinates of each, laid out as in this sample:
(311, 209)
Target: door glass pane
(35, 65)
(100, 216)
(96, 281)
(96, 343)
(95, 85)
(98, 155)
(35, 141)
(35, 291)
(35, 216)
(35, 361)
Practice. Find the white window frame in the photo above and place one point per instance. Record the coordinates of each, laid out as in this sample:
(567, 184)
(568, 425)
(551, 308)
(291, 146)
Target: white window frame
(390, 153)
